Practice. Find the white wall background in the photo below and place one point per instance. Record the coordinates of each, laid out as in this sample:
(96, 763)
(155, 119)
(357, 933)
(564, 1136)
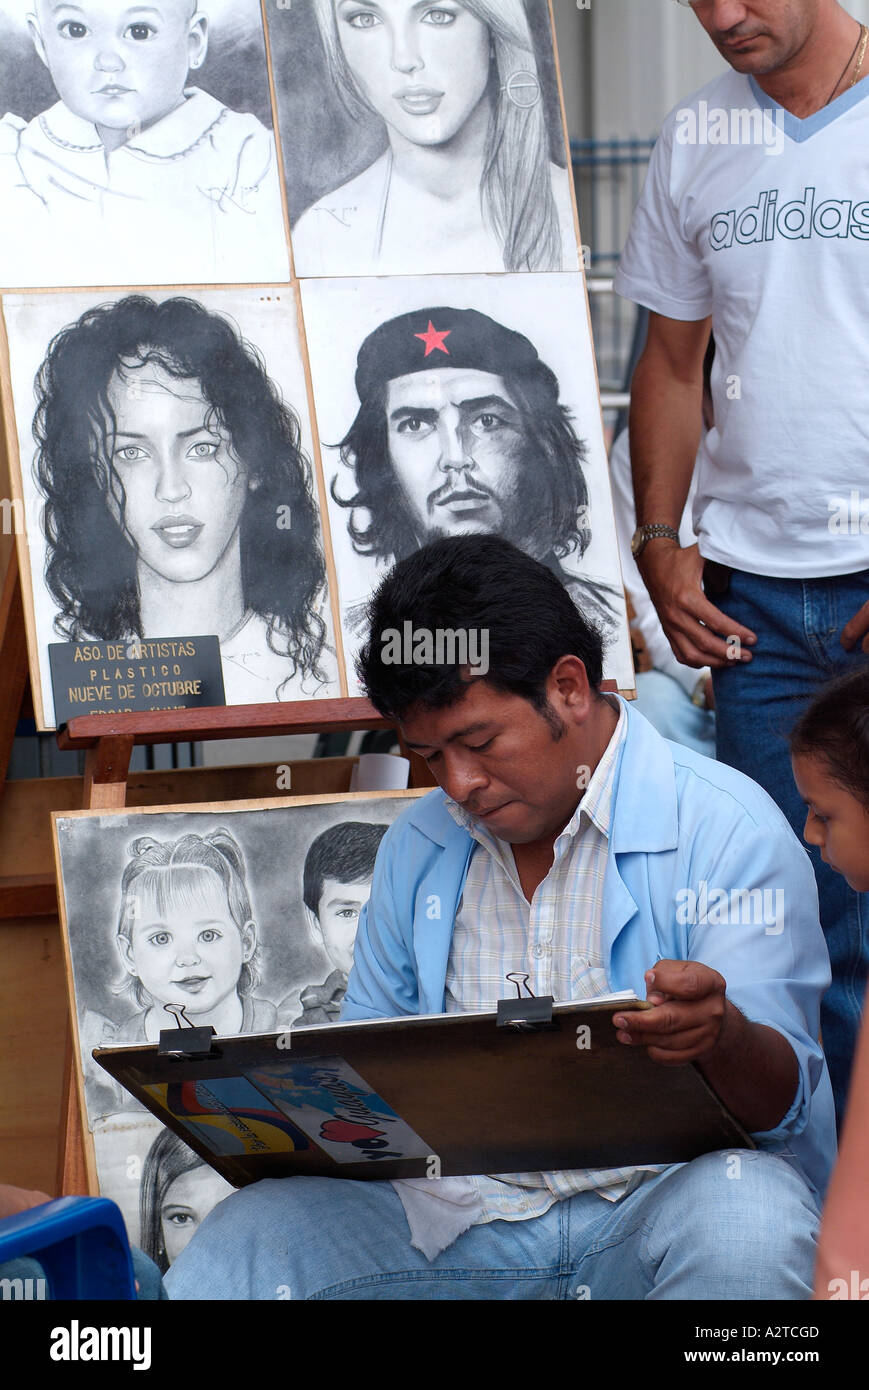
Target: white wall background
(625, 63)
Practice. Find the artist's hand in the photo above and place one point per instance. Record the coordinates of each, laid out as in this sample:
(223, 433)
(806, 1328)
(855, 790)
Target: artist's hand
(688, 1018)
(855, 629)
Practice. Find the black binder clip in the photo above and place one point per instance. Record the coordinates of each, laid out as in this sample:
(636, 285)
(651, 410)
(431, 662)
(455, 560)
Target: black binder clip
(528, 1015)
(185, 1040)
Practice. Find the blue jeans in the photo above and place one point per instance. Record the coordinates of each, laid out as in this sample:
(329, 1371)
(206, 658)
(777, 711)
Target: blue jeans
(728, 1225)
(798, 623)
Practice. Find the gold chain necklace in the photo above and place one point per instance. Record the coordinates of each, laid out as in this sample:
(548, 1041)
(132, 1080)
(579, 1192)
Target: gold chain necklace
(861, 44)
(865, 32)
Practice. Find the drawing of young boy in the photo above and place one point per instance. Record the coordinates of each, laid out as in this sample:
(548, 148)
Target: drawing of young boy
(185, 935)
(132, 176)
(336, 883)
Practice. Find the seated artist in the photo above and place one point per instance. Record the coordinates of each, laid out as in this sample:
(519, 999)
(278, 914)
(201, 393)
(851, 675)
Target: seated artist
(561, 844)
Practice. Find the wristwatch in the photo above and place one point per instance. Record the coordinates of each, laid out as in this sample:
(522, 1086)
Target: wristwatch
(644, 534)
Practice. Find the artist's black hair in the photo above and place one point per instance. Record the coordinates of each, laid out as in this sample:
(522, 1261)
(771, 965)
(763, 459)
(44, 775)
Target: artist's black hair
(835, 730)
(344, 852)
(91, 566)
(482, 584)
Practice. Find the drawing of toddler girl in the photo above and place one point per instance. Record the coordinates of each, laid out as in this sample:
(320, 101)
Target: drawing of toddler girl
(186, 935)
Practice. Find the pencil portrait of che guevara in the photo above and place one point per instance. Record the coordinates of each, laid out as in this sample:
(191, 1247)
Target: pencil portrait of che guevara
(461, 429)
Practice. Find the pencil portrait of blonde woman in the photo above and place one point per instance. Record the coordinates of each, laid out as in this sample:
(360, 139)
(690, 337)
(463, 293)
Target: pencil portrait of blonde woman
(457, 109)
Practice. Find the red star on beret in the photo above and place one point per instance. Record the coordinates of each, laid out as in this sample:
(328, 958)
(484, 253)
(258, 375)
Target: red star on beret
(434, 339)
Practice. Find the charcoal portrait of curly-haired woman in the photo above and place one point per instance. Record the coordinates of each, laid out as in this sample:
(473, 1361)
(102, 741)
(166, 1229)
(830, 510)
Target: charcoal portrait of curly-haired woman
(178, 499)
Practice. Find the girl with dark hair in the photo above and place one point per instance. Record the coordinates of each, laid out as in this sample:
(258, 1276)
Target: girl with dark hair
(178, 499)
(466, 181)
(830, 758)
(178, 1191)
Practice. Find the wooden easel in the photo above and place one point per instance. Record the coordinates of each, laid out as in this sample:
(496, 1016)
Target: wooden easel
(21, 895)
(108, 742)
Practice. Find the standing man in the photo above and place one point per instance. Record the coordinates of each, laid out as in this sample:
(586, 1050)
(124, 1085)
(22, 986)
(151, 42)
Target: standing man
(754, 220)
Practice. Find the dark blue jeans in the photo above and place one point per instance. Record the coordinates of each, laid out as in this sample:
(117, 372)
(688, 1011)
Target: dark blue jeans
(798, 623)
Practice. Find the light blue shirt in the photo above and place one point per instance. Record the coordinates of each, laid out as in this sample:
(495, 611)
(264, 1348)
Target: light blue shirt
(691, 842)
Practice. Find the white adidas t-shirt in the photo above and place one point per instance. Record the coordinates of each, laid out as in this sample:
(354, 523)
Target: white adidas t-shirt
(763, 222)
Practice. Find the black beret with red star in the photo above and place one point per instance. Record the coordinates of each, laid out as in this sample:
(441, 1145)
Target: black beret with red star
(435, 338)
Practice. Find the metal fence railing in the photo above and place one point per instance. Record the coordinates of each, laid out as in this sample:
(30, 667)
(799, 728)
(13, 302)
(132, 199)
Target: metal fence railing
(608, 175)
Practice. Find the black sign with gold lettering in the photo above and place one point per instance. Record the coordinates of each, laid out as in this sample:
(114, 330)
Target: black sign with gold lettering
(118, 677)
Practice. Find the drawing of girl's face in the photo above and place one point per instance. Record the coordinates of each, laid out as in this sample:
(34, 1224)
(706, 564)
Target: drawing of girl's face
(187, 1202)
(423, 67)
(185, 490)
(190, 950)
